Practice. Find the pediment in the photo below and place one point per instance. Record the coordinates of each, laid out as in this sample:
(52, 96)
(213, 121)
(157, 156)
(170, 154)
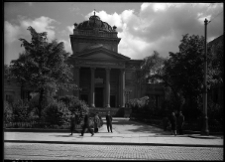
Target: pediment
(102, 54)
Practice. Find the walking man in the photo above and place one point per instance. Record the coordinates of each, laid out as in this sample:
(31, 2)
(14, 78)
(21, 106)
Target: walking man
(86, 125)
(180, 123)
(109, 121)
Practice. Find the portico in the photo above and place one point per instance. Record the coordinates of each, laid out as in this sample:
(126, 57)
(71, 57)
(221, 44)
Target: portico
(101, 86)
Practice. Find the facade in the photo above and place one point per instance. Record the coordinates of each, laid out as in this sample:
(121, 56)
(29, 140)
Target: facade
(105, 77)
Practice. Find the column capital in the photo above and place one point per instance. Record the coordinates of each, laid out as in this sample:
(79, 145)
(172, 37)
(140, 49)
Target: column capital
(93, 68)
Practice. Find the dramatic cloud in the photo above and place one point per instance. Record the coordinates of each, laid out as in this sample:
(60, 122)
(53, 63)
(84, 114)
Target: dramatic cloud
(18, 29)
(160, 26)
(154, 27)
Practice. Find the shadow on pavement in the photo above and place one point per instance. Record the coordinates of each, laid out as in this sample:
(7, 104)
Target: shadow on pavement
(63, 135)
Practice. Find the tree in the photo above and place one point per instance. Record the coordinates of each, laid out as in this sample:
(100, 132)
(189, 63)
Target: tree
(43, 66)
(184, 71)
(152, 67)
(150, 70)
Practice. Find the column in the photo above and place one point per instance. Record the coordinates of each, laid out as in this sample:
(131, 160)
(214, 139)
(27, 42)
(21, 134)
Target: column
(92, 87)
(77, 80)
(119, 87)
(107, 88)
(122, 87)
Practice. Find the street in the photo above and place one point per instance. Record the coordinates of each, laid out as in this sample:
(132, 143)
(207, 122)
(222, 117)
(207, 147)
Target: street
(38, 151)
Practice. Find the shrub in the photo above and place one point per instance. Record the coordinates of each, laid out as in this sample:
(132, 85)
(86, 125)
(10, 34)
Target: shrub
(53, 113)
(215, 113)
(8, 113)
(138, 103)
(21, 111)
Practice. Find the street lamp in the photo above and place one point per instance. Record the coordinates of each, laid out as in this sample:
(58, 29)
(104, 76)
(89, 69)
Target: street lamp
(205, 130)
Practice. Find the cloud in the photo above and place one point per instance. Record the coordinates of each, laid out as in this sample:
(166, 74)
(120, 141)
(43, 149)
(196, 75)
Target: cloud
(67, 45)
(11, 32)
(160, 26)
(70, 28)
(18, 29)
(41, 24)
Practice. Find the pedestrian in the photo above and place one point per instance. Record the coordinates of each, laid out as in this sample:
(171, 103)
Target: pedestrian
(165, 123)
(109, 122)
(96, 122)
(173, 121)
(180, 123)
(86, 125)
(72, 123)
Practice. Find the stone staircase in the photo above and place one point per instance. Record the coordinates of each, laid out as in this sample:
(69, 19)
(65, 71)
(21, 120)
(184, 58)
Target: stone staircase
(115, 112)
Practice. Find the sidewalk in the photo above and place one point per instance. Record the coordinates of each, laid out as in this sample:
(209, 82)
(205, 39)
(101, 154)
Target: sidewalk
(125, 132)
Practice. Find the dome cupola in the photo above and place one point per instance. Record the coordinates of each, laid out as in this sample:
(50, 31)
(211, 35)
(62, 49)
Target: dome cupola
(94, 23)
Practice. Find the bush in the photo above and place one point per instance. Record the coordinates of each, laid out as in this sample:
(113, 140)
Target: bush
(8, 113)
(138, 103)
(74, 104)
(21, 111)
(53, 114)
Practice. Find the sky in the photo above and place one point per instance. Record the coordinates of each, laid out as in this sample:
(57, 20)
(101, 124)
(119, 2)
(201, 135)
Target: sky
(142, 27)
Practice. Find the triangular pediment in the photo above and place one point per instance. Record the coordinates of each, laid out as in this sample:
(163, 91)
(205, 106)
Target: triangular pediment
(102, 54)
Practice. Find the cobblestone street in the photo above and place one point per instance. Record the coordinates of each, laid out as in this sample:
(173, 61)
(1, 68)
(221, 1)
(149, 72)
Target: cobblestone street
(35, 151)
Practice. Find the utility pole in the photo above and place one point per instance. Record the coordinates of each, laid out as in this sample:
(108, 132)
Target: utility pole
(205, 130)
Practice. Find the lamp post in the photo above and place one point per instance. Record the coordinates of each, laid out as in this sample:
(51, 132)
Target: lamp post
(205, 130)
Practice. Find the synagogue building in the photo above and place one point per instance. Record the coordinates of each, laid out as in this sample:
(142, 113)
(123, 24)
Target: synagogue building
(104, 76)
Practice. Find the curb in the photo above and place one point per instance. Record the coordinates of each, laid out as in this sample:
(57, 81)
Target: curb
(41, 130)
(204, 137)
(113, 143)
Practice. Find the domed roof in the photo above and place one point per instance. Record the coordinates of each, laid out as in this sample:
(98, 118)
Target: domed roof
(95, 23)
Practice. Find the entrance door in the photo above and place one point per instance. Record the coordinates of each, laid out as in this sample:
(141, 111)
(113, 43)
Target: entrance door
(112, 100)
(99, 97)
(84, 97)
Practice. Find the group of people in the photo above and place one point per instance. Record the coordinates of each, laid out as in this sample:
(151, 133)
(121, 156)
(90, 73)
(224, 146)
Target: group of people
(176, 122)
(86, 124)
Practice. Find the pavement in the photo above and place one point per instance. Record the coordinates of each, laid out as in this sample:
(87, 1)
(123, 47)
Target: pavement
(125, 132)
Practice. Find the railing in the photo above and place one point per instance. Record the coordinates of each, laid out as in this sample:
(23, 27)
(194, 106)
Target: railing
(98, 34)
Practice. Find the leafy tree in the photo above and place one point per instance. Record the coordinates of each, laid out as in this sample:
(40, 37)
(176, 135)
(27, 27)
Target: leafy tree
(7, 73)
(150, 70)
(43, 66)
(184, 71)
(152, 67)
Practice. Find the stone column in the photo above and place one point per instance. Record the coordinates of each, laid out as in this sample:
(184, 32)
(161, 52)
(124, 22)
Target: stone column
(92, 87)
(77, 80)
(107, 87)
(122, 87)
